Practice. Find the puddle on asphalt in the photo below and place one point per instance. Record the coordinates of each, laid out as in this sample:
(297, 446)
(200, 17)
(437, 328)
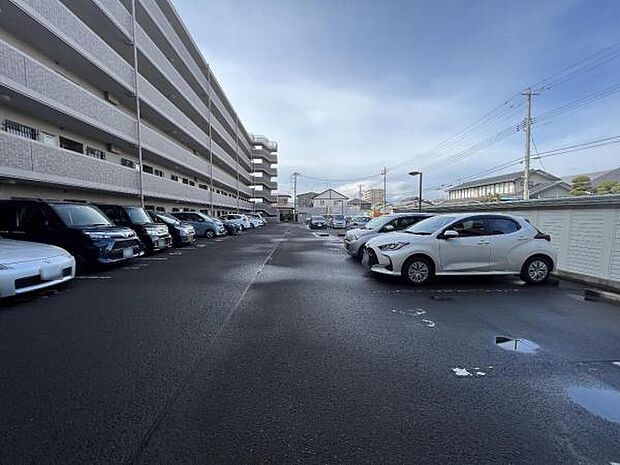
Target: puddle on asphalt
(516, 345)
(604, 403)
(441, 297)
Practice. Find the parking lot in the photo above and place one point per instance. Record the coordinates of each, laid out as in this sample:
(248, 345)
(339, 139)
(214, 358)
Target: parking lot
(275, 347)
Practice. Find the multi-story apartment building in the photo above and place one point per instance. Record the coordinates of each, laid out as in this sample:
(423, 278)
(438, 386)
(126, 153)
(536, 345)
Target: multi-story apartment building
(264, 174)
(111, 100)
(374, 197)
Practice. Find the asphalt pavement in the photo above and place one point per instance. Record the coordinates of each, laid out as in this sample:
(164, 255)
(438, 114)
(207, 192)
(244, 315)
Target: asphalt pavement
(276, 347)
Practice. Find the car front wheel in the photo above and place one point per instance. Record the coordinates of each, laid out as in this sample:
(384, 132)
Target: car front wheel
(417, 271)
(536, 270)
(209, 234)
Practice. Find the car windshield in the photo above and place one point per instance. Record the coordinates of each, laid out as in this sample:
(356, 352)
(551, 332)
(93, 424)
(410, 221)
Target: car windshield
(168, 219)
(81, 215)
(430, 225)
(318, 218)
(138, 215)
(376, 222)
(339, 217)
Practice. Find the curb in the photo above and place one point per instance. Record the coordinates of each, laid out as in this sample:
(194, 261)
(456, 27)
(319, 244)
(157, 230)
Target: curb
(595, 295)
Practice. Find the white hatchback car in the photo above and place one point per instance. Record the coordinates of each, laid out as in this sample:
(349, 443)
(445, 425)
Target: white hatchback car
(457, 244)
(28, 266)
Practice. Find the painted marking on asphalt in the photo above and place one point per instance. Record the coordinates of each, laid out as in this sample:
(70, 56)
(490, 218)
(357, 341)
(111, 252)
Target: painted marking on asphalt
(201, 245)
(616, 363)
(93, 277)
(153, 259)
(136, 267)
(175, 253)
(189, 248)
(461, 372)
(480, 373)
(429, 323)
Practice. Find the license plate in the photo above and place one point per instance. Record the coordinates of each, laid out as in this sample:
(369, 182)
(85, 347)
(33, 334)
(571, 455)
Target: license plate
(128, 252)
(51, 273)
(161, 242)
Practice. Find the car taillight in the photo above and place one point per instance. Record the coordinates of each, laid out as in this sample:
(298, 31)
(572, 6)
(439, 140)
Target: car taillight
(544, 236)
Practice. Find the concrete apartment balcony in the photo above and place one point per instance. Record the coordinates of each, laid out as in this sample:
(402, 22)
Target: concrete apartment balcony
(159, 19)
(25, 160)
(51, 26)
(37, 89)
(269, 145)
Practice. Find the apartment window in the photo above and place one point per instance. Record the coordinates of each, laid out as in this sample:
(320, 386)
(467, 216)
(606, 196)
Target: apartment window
(174, 177)
(149, 207)
(95, 153)
(21, 130)
(160, 209)
(185, 181)
(128, 163)
(48, 139)
(203, 186)
(158, 173)
(147, 169)
(70, 144)
(192, 183)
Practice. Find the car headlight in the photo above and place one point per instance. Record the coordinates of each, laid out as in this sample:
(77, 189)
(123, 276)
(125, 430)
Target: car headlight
(151, 231)
(393, 246)
(97, 235)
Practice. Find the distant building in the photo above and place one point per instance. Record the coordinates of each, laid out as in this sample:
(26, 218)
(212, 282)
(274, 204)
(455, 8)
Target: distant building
(596, 177)
(283, 200)
(374, 197)
(509, 186)
(330, 201)
(359, 204)
(305, 199)
(410, 204)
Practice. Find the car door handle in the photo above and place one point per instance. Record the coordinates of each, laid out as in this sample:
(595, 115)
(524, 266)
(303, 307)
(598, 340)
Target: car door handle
(521, 239)
(483, 242)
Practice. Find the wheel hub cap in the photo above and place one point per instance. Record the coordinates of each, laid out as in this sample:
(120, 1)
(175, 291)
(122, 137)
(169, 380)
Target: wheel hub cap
(538, 270)
(418, 272)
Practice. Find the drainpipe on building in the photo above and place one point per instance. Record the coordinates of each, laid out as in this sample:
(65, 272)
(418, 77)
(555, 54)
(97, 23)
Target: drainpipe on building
(211, 208)
(237, 156)
(137, 94)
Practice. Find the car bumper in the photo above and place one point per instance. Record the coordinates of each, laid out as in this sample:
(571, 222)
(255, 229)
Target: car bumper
(186, 239)
(30, 277)
(116, 251)
(380, 262)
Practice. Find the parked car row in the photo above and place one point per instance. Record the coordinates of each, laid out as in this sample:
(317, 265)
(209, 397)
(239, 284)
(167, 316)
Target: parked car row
(420, 246)
(43, 242)
(336, 221)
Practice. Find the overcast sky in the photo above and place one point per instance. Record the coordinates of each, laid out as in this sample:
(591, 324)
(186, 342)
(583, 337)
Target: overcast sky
(347, 87)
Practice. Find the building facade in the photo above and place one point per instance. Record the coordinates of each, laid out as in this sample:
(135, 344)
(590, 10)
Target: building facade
(330, 201)
(264, 174)
(101, 103)
(374, 197)
(305, 200)
(509, 186)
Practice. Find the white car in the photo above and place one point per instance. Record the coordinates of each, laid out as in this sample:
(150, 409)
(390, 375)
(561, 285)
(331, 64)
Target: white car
(28, 266)
(459, 244)
(241, 220)
(256, 219)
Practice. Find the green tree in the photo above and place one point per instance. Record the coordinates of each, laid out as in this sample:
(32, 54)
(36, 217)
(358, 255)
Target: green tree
(608, 186)
(581, 186)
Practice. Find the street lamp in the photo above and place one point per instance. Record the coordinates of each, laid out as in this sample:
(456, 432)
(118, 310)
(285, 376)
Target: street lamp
(418, 173)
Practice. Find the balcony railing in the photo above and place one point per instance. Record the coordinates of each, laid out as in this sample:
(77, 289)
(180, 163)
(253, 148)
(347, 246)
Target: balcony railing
(258, 139)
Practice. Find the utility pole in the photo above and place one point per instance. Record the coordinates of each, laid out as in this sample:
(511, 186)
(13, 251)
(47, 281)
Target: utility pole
(384, 174)
(295, 174)
(528, 138)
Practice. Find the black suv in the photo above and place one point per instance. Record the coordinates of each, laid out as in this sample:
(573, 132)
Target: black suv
(81, 229)
(155, 236)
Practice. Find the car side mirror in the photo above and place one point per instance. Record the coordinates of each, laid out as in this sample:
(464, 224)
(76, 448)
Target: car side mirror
(450, 234)
(388, 228)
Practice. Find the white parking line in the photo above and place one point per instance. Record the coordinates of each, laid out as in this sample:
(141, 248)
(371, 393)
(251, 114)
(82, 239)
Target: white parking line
(154, 259)
(175, 253)
(93, 277)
